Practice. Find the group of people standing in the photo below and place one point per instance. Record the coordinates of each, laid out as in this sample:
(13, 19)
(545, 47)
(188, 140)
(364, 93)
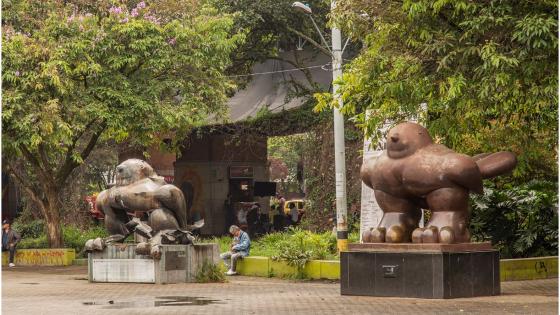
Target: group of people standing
(281, 219)
(248, 216)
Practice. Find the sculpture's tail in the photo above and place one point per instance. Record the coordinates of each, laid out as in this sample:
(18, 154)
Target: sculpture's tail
(494, 164)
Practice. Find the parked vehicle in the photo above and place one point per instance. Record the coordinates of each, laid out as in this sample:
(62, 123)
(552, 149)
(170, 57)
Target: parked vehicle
(299, 204)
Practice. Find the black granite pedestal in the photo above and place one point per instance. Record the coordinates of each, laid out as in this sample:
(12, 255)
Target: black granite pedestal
(430, 271)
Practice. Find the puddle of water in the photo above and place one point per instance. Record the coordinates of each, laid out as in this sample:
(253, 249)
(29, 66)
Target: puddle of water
(160, 301)
(182, 301)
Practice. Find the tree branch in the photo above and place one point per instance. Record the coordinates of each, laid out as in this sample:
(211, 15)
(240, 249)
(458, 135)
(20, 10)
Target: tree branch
(43, 176)
(43, 157)
(70, 164)
(75, 139)
(31, 191)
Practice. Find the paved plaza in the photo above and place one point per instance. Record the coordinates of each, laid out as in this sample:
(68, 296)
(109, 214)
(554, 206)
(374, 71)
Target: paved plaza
(65, 290)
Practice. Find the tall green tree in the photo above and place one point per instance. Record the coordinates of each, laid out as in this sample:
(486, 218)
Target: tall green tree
(487, 70)
(77, 73)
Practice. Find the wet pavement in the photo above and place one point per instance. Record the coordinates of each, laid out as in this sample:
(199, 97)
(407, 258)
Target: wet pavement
(65, 290)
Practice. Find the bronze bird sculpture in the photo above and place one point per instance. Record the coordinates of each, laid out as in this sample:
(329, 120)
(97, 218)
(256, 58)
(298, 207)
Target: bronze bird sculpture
(414, 173)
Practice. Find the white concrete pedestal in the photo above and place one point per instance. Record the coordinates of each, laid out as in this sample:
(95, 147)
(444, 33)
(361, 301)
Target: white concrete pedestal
(178, 263)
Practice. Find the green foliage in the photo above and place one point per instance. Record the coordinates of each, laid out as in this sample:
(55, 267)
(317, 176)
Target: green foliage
(210, 272)
(33, 235)
(33, 229)
(109, 70)
(270, 25)
(289, 150)
(487, 70)
(37, 242)
(76, 238)
(354, 236)
(319, 245)
(522, 221)
(318, 165)
(298, 246)
(296, 242)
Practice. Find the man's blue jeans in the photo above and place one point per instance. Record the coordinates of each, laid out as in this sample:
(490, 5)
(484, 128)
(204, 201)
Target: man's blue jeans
(12, 250)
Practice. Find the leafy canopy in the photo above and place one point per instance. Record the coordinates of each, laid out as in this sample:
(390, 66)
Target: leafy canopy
(124, 73)
(488, 71)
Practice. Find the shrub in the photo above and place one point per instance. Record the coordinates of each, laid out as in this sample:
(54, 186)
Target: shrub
(319, 245)
(294, 251)
(521, 221)
(32, 229)
(210, 272)
(74, 237)
(38, 242)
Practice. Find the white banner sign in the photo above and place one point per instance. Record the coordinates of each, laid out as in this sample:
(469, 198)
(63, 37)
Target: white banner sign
(371, 213)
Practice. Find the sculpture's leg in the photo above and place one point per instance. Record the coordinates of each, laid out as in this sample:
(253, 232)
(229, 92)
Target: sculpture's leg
(417, 235)
(430, 235)
(165, 230)
(397, 234)
(173, 199)
(140, 228)
(449, 218)
(94, 244)
(400, 218)
(155, 246)
(366, 236)
(143, 248)
(163, 219)
(115, 223)
(376, 235)
(446, 235)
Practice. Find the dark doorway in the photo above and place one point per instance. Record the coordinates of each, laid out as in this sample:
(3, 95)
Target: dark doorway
(241, 189)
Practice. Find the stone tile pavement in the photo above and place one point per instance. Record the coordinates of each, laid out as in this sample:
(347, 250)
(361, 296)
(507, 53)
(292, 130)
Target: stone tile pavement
(65, 290)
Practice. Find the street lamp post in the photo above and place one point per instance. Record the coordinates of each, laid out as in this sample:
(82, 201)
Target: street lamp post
(339, 147)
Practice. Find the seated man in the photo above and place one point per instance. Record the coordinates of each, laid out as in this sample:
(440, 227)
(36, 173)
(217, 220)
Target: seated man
(10, 238)
(239, 248)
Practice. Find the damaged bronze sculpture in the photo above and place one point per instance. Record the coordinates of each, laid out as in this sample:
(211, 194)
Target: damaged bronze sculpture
(139, 189)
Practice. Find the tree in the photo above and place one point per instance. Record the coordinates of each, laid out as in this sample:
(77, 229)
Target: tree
(271, 25)
(488, 71)
(286, 156)
(77, 74)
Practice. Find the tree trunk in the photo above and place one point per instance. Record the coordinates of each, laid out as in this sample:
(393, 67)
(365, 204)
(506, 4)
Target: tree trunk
(54, 234)
(52, 218)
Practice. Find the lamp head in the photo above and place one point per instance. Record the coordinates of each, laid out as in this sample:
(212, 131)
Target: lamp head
(302, 7)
